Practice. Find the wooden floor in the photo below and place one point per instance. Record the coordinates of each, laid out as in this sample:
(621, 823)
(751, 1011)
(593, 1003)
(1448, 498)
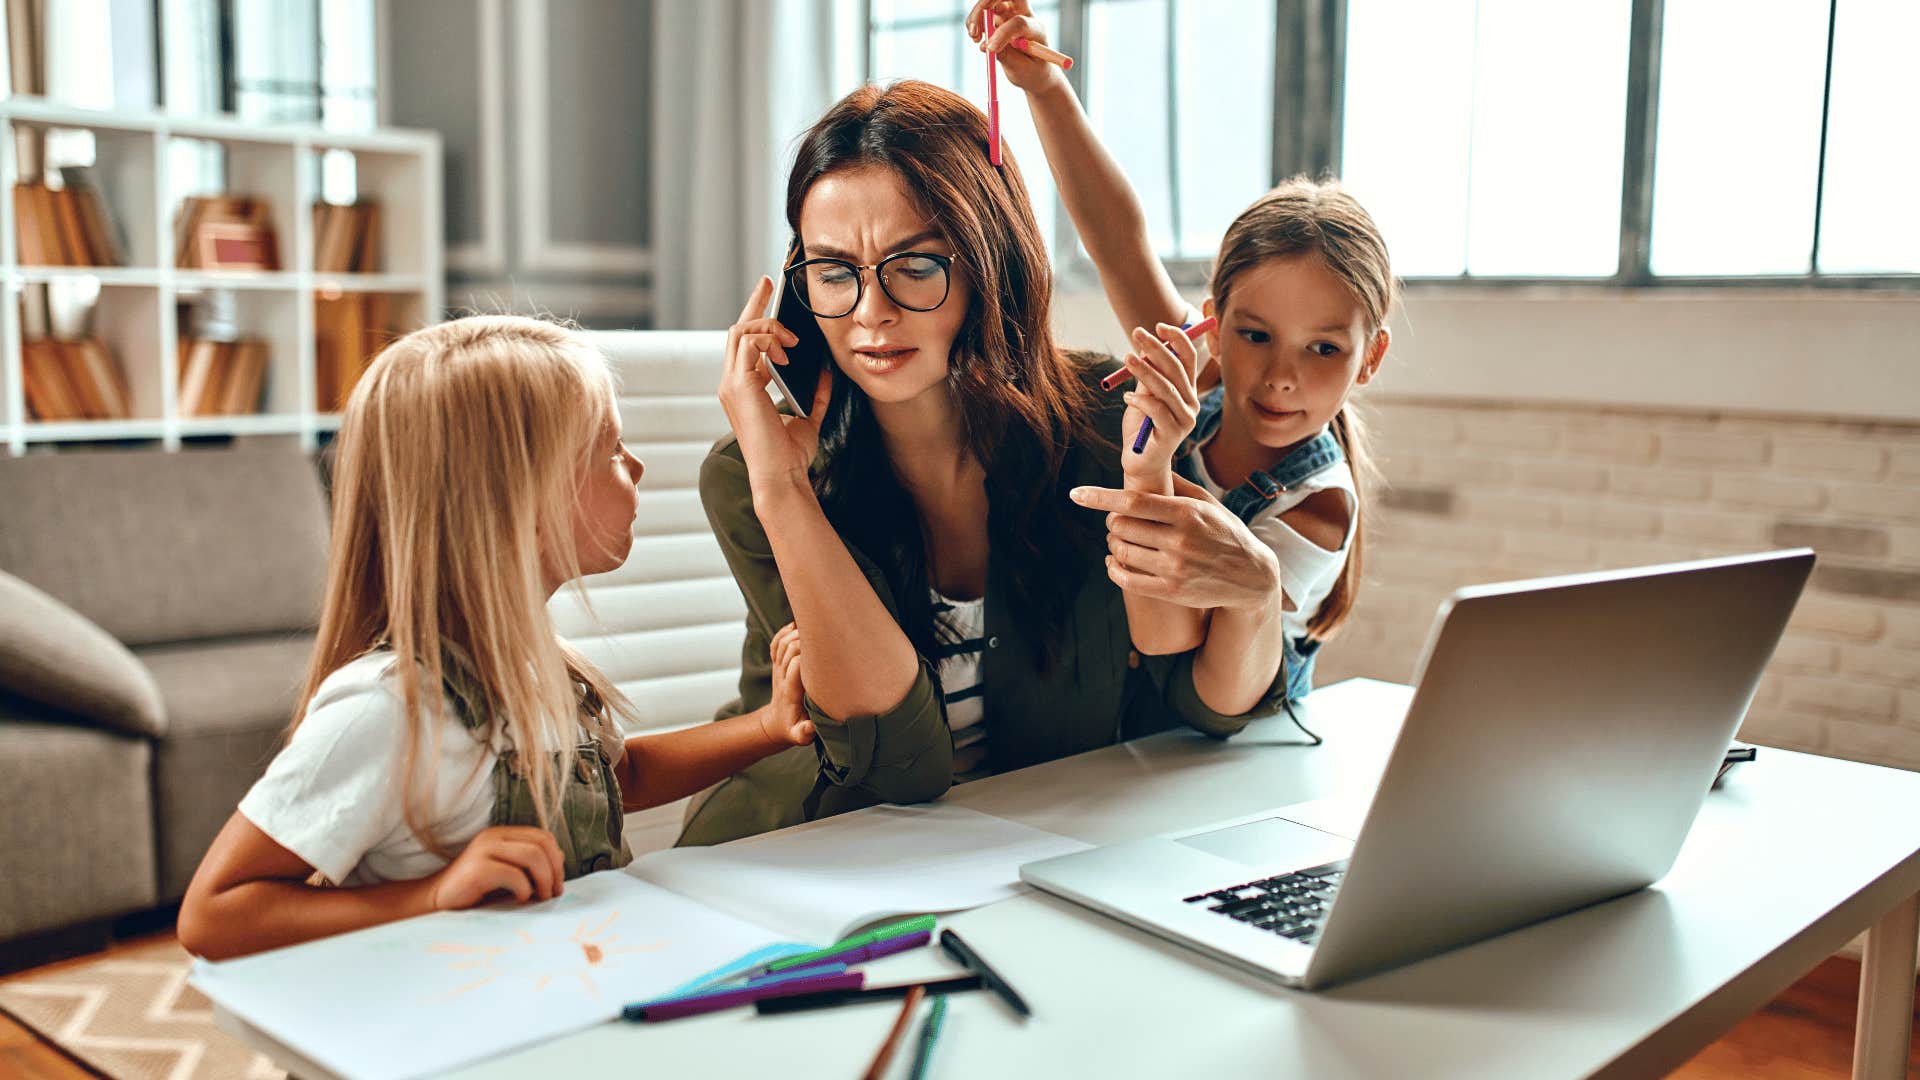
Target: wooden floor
(1804, 1034)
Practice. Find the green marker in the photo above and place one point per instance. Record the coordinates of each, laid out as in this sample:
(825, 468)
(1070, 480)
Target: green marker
(909, 926)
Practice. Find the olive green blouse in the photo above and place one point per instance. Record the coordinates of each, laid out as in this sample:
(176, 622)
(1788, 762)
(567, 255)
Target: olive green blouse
(1098, 691)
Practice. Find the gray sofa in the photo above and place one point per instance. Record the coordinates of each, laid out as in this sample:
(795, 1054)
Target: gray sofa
(156, 617)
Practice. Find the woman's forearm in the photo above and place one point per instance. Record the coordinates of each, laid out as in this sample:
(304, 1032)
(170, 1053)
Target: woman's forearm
(258, 915)
(857, 661)
(1106, 212)
(660, 769)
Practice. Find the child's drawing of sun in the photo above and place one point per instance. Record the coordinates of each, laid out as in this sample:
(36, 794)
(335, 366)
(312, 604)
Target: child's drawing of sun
(578, 956)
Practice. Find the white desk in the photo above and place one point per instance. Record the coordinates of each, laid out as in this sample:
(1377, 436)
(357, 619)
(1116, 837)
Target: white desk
(1787, 862)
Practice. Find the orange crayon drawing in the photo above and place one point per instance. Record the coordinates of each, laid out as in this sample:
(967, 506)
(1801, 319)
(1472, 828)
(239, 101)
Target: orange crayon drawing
(541, 961)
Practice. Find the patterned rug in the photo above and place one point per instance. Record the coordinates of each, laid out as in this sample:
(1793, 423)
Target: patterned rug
(131, 1015)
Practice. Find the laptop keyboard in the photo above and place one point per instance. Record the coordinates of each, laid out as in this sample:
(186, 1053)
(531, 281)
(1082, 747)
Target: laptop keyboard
(1291, 905)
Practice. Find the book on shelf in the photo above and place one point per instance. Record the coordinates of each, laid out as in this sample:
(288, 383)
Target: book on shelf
(73, 380)
(66, 226)
(103, 237)
(225, 232)
(349, 330)
(346, 238)
(220, 378)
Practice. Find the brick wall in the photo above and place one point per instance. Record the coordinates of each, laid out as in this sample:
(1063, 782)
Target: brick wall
(1491, 492)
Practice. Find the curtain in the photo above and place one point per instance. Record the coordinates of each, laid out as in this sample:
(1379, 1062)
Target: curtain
(739, 82)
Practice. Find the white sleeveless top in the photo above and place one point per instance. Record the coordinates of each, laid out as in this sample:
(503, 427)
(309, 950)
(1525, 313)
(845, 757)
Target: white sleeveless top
(1307, 570)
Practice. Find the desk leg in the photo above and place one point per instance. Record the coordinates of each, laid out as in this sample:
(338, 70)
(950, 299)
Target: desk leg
(1885, 1021)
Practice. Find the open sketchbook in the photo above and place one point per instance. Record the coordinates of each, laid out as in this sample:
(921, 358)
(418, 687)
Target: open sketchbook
(431, 993)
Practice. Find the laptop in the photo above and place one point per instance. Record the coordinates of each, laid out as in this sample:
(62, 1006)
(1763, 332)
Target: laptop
(1562, 736)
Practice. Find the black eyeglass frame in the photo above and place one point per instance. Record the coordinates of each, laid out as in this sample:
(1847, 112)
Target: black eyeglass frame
(860, 280)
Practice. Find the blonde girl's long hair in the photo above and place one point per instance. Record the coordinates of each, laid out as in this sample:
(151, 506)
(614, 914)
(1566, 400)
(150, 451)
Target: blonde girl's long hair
(1300, 217)
(458, 463)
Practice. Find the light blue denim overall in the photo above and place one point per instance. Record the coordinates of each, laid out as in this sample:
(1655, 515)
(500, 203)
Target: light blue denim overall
(1256, 493)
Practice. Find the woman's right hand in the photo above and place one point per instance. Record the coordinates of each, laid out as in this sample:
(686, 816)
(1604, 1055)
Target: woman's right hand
(519, 860)
(775, 446)
(1012, 19)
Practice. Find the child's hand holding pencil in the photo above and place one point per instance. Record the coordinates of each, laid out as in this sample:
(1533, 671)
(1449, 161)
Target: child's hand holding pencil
(1165, 367)
(1018, 39)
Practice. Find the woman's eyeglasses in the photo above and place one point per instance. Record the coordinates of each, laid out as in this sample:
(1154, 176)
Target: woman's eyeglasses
(831, 288)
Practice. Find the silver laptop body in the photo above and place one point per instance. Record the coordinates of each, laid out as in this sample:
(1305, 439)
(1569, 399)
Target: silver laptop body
(1561, 738)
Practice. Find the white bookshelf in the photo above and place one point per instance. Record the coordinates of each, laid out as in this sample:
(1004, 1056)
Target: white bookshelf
(136, 312)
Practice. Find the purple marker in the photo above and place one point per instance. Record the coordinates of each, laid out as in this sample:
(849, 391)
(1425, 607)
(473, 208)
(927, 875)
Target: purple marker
(697, 1004)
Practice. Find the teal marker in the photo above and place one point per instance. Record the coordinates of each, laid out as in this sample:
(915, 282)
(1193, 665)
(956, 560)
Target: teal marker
(909, 926)
(928, 1033)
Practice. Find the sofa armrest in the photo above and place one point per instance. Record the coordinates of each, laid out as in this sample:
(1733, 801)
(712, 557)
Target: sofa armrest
(53, 655)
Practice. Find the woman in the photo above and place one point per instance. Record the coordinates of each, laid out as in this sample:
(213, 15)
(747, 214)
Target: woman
(915, 526)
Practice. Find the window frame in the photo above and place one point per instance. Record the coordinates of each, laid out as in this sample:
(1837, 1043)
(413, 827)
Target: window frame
(1308, 113)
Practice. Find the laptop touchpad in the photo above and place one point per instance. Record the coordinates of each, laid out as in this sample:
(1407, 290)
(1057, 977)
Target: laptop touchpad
(1272, 842)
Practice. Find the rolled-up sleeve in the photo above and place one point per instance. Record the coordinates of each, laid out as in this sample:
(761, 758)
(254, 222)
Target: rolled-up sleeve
(902, 755)
(1173, 677)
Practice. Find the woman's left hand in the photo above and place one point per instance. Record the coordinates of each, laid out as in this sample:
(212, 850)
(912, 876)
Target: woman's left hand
(1185, 548)
(784, 721)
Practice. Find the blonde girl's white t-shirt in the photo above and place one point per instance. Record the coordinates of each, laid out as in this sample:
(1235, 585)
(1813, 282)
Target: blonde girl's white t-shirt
(1307, 570)
(333, 795)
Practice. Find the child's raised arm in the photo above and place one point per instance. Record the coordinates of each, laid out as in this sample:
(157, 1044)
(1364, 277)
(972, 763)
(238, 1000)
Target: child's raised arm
(1104, 208)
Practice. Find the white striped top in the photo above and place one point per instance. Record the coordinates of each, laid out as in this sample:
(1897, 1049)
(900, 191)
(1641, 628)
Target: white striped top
(958, 657)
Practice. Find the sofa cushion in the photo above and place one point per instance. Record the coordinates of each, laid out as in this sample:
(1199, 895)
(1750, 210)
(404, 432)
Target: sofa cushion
(156, 546)
(229, 702)
(229, 684)
(54, 655)
(78, 843)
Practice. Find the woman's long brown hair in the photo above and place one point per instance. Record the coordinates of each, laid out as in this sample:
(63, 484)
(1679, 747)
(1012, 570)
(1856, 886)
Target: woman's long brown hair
(1022, 401)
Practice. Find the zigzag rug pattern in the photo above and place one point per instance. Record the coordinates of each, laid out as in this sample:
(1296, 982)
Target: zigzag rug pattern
(132, 1016)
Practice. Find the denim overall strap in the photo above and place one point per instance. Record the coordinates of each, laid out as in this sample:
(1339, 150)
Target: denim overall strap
(1301, 464)
(591, 818)
(1260, 489)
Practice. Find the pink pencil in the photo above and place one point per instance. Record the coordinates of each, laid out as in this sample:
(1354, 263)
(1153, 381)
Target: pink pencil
(993, 98)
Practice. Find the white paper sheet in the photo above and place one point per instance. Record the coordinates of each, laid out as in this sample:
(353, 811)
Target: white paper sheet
(431, 993)
(821, 881)
(427, 994)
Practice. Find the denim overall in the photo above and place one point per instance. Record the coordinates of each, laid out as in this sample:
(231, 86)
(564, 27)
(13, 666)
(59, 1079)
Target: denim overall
(589, 826)
(1255, 494)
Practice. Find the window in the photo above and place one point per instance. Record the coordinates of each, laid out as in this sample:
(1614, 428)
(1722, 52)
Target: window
(1613, 141)
(1737, 158)
(1181, 91)
(1869, 218)
(1486, 137)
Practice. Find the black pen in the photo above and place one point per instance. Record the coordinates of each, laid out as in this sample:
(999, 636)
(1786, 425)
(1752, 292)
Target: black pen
(828, 998)
(972, 961)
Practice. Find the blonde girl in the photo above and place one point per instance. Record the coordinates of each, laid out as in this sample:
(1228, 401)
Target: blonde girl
(448, 747)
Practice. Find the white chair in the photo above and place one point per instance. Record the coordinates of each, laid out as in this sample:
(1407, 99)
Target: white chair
(667, 627)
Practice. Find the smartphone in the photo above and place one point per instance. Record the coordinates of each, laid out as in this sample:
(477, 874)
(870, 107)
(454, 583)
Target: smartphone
(799, 377)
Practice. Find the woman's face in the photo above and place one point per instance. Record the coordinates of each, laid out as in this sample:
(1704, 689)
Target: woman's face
(862, 216)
